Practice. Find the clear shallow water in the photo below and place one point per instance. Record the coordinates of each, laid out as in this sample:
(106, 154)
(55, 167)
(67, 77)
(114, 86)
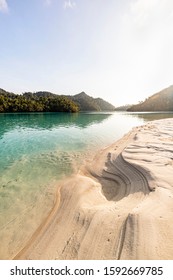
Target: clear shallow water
(37, 150)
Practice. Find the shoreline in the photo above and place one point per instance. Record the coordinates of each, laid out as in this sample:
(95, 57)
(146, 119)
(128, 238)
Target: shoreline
(119, 206)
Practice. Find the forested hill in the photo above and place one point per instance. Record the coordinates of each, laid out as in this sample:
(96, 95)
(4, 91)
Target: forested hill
(104, 105)
(39, 94)
(35, 102)
(44, 101)
(160, 101)
(88, 103)
(123, 107)
(6, 93)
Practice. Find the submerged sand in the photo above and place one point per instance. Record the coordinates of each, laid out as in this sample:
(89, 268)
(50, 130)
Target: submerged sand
(119, 206)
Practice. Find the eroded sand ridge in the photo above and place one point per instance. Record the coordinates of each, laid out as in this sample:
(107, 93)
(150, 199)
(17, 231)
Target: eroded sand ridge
(119, 206)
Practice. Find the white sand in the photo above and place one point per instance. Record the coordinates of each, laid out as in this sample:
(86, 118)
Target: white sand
(120, 206)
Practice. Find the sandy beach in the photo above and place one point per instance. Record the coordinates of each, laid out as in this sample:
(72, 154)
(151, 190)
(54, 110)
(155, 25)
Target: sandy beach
(118, 206)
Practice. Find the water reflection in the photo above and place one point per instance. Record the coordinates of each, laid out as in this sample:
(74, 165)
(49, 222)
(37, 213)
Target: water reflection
(48, 121)
(151, 116)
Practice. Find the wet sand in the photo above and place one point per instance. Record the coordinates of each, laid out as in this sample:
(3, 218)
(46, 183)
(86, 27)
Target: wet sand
(118, 206)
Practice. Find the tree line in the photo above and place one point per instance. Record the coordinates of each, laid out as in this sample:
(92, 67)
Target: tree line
(10, 103)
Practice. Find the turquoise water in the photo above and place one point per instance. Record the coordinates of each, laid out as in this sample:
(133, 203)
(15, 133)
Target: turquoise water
(39, 149)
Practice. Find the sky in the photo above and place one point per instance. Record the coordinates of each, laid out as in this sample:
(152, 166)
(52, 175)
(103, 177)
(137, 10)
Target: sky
(119, 50)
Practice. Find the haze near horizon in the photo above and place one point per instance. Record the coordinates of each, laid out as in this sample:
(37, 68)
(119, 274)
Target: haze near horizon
(116, 50)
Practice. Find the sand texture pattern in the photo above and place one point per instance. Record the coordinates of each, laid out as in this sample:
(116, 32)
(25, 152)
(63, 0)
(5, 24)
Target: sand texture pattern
(119, 206)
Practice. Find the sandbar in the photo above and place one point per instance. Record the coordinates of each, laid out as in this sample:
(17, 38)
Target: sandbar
(118, 206)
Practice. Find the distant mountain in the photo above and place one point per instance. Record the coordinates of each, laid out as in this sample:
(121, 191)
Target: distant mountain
(84, 101)
(123, 107)
(44, 101)
(104, 105)
(160, 101)
(88, 103)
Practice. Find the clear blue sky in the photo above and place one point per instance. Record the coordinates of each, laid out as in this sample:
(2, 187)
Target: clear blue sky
(119, 50)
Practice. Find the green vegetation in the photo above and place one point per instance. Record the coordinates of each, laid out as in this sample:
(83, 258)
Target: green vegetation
(44, 101)
(29, 102)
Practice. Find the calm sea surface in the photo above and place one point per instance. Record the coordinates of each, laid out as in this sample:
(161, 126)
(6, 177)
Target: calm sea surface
(39, 149)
